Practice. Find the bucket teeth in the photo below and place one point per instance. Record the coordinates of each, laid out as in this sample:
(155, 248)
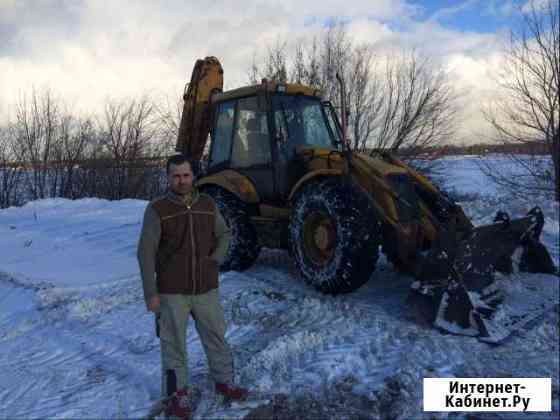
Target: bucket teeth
(458, 273)
(466, 313)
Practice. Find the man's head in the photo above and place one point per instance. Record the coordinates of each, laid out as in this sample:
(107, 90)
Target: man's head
(180, 174)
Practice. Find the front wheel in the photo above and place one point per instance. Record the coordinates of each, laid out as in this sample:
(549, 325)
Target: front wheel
(334, 235)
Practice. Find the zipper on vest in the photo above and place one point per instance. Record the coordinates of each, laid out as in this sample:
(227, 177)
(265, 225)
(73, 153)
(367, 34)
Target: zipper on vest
(193, 252)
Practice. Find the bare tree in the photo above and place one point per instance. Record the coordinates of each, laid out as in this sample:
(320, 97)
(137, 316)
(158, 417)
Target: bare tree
(35, 128)
(528, 112)
(365, 98)
(10, 170)
(51, 142)
(167, 119)
(74, 134)
(59, 154)
(316, 63)
(274, 65)
(94, 169)
(126, 134)
(418, 106)
(407, 103)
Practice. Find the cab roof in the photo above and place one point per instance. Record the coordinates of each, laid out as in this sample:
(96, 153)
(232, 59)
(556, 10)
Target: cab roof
(266, 86)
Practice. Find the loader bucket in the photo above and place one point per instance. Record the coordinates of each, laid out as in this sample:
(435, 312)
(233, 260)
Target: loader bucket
(457, 277)
(492, 246)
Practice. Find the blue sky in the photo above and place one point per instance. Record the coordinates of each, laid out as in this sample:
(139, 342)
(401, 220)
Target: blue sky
(484, 16)
(472, 16)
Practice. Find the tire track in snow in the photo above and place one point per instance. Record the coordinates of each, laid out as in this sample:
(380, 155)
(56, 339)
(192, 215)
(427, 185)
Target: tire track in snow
(64, 377)
(50, 369)
(301, 332)
(292, 339)
(287, 335)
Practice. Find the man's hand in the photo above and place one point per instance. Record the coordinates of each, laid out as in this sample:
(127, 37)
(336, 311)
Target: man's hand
(153, 304)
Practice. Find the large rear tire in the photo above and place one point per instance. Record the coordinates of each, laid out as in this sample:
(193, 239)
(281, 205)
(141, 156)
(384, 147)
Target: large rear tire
(244, 247)
(334, 236)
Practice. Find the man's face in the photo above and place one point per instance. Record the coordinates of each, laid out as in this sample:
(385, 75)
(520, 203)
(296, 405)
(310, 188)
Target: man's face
(180, 178)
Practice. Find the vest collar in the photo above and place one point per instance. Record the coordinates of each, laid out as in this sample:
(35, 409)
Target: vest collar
(178, 199)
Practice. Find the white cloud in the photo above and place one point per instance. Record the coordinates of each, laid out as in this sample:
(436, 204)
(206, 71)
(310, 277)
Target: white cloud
(88, 50)
(111, 48)
(7, 11)
(474, 76)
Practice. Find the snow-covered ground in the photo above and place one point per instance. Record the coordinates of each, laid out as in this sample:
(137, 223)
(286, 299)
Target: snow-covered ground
(76, 340)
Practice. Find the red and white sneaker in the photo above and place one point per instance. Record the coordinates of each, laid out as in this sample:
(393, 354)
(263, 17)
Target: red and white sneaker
(178, 406)
(232, 392)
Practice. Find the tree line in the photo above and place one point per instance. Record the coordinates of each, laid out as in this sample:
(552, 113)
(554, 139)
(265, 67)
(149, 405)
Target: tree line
(47, 151)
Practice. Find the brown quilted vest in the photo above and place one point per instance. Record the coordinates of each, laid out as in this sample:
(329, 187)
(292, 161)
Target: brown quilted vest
(187, 240)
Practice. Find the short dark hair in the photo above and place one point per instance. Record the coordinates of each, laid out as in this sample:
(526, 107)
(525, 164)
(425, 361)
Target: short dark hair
(179, 160)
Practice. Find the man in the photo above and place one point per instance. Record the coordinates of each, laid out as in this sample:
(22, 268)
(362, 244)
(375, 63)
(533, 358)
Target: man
(183, 241)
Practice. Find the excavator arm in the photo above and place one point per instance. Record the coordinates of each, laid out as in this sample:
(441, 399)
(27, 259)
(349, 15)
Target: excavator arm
(207, 78)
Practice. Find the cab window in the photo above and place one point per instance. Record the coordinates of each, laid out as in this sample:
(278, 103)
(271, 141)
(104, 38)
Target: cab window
(300, 121)
(222, 133)
(251, 142)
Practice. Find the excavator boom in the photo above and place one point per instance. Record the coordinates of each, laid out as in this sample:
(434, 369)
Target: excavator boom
(207, 78)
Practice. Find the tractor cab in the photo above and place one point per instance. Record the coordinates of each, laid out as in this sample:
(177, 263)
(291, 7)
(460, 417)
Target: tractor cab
(259, 131)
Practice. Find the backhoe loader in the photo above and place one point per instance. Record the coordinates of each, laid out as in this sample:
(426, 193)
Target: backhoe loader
(277, 162)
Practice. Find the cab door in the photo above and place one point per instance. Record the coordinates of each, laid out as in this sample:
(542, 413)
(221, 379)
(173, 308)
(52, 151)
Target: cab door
(242, 143)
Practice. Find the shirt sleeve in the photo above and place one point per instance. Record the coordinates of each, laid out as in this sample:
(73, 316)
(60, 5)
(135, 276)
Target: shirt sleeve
(223, 237)
(147, 250)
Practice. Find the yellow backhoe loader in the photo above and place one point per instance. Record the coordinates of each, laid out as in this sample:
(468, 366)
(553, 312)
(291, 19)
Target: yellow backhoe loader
(277, 162)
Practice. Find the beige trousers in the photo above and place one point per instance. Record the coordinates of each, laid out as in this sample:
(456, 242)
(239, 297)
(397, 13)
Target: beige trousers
(210, 324)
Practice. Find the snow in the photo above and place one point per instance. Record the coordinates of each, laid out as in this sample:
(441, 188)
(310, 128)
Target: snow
(76, 340)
